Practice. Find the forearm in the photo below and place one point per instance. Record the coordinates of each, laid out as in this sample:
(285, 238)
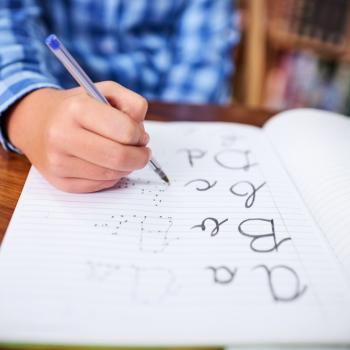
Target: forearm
(22, 64)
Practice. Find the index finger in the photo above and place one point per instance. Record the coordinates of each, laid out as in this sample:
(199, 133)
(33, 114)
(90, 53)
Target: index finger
(127, 101)
(111, 123)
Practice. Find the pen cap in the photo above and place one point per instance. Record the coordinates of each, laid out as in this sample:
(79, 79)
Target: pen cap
(53, 42)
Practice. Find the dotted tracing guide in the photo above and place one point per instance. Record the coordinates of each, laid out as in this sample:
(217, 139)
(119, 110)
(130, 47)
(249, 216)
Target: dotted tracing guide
(227, 253)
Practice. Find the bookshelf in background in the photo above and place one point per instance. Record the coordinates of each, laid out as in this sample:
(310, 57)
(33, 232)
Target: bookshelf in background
(303, 55)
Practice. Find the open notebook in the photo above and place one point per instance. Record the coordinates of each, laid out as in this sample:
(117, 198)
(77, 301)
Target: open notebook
(249, 244)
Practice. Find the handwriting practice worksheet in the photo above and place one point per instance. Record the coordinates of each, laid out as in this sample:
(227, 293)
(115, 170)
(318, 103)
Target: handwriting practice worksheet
(231, 252)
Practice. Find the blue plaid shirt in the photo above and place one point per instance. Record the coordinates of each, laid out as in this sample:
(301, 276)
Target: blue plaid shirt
(172, 50)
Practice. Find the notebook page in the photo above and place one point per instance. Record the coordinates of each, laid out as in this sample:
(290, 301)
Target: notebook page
(226, 254)
(322, 173)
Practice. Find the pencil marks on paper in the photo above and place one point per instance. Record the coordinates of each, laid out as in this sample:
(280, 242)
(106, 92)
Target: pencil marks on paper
(144, 285)
(246, 189)
(201, 184)
(281, 276)
(150, 234)
(215, 224)
(201, 222)
(223, 274)
(234, 159)
(262, 234)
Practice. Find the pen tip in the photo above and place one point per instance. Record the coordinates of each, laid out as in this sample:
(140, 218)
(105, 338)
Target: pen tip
(160, 173)
(165, 179)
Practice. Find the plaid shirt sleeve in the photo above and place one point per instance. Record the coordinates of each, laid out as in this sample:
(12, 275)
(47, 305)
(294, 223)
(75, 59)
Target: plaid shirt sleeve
(202, 53)
(22, 66)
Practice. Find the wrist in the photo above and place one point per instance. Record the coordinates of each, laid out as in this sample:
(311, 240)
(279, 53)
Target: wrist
(20, 118)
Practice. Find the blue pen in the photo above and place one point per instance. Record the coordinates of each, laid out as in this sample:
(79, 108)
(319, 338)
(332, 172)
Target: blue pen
(84, 81)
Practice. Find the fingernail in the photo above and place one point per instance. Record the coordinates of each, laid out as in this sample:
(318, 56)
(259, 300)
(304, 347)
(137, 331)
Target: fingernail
(145, 139)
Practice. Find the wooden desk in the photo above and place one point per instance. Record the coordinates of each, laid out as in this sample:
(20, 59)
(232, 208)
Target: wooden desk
(14, 169)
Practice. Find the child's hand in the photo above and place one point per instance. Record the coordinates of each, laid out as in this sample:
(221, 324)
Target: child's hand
(78, 143)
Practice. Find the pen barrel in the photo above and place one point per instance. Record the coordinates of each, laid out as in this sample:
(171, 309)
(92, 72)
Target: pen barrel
(73, 67)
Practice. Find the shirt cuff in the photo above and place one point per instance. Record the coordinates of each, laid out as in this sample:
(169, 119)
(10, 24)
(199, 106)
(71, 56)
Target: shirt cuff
(12, 94)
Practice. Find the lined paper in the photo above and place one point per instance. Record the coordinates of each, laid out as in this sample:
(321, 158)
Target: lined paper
(228, 253)
(314, 146)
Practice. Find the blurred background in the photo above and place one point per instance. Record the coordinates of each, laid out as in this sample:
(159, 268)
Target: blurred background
(293, 53)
